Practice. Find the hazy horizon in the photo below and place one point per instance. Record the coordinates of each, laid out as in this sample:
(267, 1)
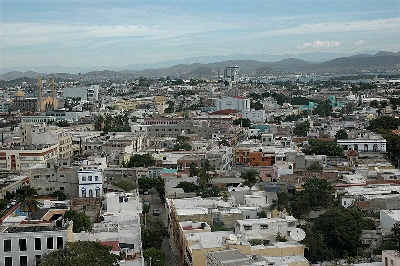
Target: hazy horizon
(86, 34)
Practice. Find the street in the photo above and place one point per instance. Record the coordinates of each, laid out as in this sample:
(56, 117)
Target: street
(171, 253)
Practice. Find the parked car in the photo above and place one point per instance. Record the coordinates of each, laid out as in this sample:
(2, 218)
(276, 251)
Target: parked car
(156, 212)
(146, 202)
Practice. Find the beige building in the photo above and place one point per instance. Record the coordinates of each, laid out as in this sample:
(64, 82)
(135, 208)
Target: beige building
(391, 257)
(21, 158)
(196, 246)
(34, 134)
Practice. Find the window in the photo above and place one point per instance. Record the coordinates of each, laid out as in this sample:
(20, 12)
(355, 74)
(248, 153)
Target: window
(37, 258)
(38, 244)
(264, 226)
(8, 261)
(22, 245)
(23, 260)
(356, 147)
(96, 178)
(375, 147)
(60, 242)
(247, 227)
(50, 244)
(365, 147)
(90, 178)
(7, 245)
(83, 178)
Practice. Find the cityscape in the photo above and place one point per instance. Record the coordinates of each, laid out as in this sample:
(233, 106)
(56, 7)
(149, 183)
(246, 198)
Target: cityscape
(200, 134)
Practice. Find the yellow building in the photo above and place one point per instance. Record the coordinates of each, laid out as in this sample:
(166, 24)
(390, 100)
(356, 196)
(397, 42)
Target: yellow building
(49, 101)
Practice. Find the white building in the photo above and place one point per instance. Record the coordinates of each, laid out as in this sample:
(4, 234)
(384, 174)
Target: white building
(255, 115)
(24, 245)
(85, 93)
(388, 218)
(90, 181)
(365, 143)
(265, 229)
(233, 103)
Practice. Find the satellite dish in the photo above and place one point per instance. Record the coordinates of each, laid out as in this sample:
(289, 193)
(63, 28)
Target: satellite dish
(297, 234)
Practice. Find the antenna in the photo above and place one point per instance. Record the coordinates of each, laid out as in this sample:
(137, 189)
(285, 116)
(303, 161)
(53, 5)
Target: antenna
(297, 234)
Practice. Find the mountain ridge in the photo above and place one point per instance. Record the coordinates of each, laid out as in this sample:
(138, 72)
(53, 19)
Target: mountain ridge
(381, 61)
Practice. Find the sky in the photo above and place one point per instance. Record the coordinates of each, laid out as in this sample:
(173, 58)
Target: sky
(118, 33)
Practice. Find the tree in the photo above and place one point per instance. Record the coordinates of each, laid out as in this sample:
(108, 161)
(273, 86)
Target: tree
(125, 184)
(59, 194)
(300, 206)
(154, 233)
(251, 177)
(314, 167)
(182, 146)
(193, 169)
(188, 186)
(320, 192)
(341, 230)
(81, 221)
(384, 122)
(302, 129)
(210, 192)
(27, 196)
(323, 147)
(282, 201)
(3, 204)
(280, 238)
(256, 105)
(341, 134)
(244, 122)
(86, 253)
(395, 230)
(140, 160)
(154, 257)
(374, 104)
(323, 109)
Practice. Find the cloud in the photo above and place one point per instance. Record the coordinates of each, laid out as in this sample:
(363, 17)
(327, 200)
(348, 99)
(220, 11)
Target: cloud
(359, 42)
(318, 45)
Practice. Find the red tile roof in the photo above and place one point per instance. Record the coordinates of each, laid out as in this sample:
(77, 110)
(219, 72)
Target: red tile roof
(113, 244)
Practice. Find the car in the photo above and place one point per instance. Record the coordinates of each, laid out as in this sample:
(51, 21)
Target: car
(146, 202)
(156, 212)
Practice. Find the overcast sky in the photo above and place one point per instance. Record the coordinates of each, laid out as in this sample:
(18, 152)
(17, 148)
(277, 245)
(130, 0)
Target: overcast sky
(118, 33)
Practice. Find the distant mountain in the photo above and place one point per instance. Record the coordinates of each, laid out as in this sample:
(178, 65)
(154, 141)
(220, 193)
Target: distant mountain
(380, 61)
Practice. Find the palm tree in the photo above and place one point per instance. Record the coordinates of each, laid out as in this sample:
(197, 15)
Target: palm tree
(27, 197)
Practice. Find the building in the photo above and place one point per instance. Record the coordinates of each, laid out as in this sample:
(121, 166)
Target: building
(46, 101)
(37, 119)
(23, 157)
(90, 178)
(255, 116)
(388, 218)
(42, 134)
(365, 143)
(56, 174)
(233, 103)
(265, 230)
(84, 93)
(25, 244)
(391, 257)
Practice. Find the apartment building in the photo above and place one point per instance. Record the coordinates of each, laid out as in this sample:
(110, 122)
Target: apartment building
(33, 134)
(21, 158)
(25, 244)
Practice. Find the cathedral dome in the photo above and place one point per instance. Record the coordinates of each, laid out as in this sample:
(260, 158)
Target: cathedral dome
(19, 94)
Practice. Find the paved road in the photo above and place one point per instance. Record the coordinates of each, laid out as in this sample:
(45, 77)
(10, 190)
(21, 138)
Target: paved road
(171, 252)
